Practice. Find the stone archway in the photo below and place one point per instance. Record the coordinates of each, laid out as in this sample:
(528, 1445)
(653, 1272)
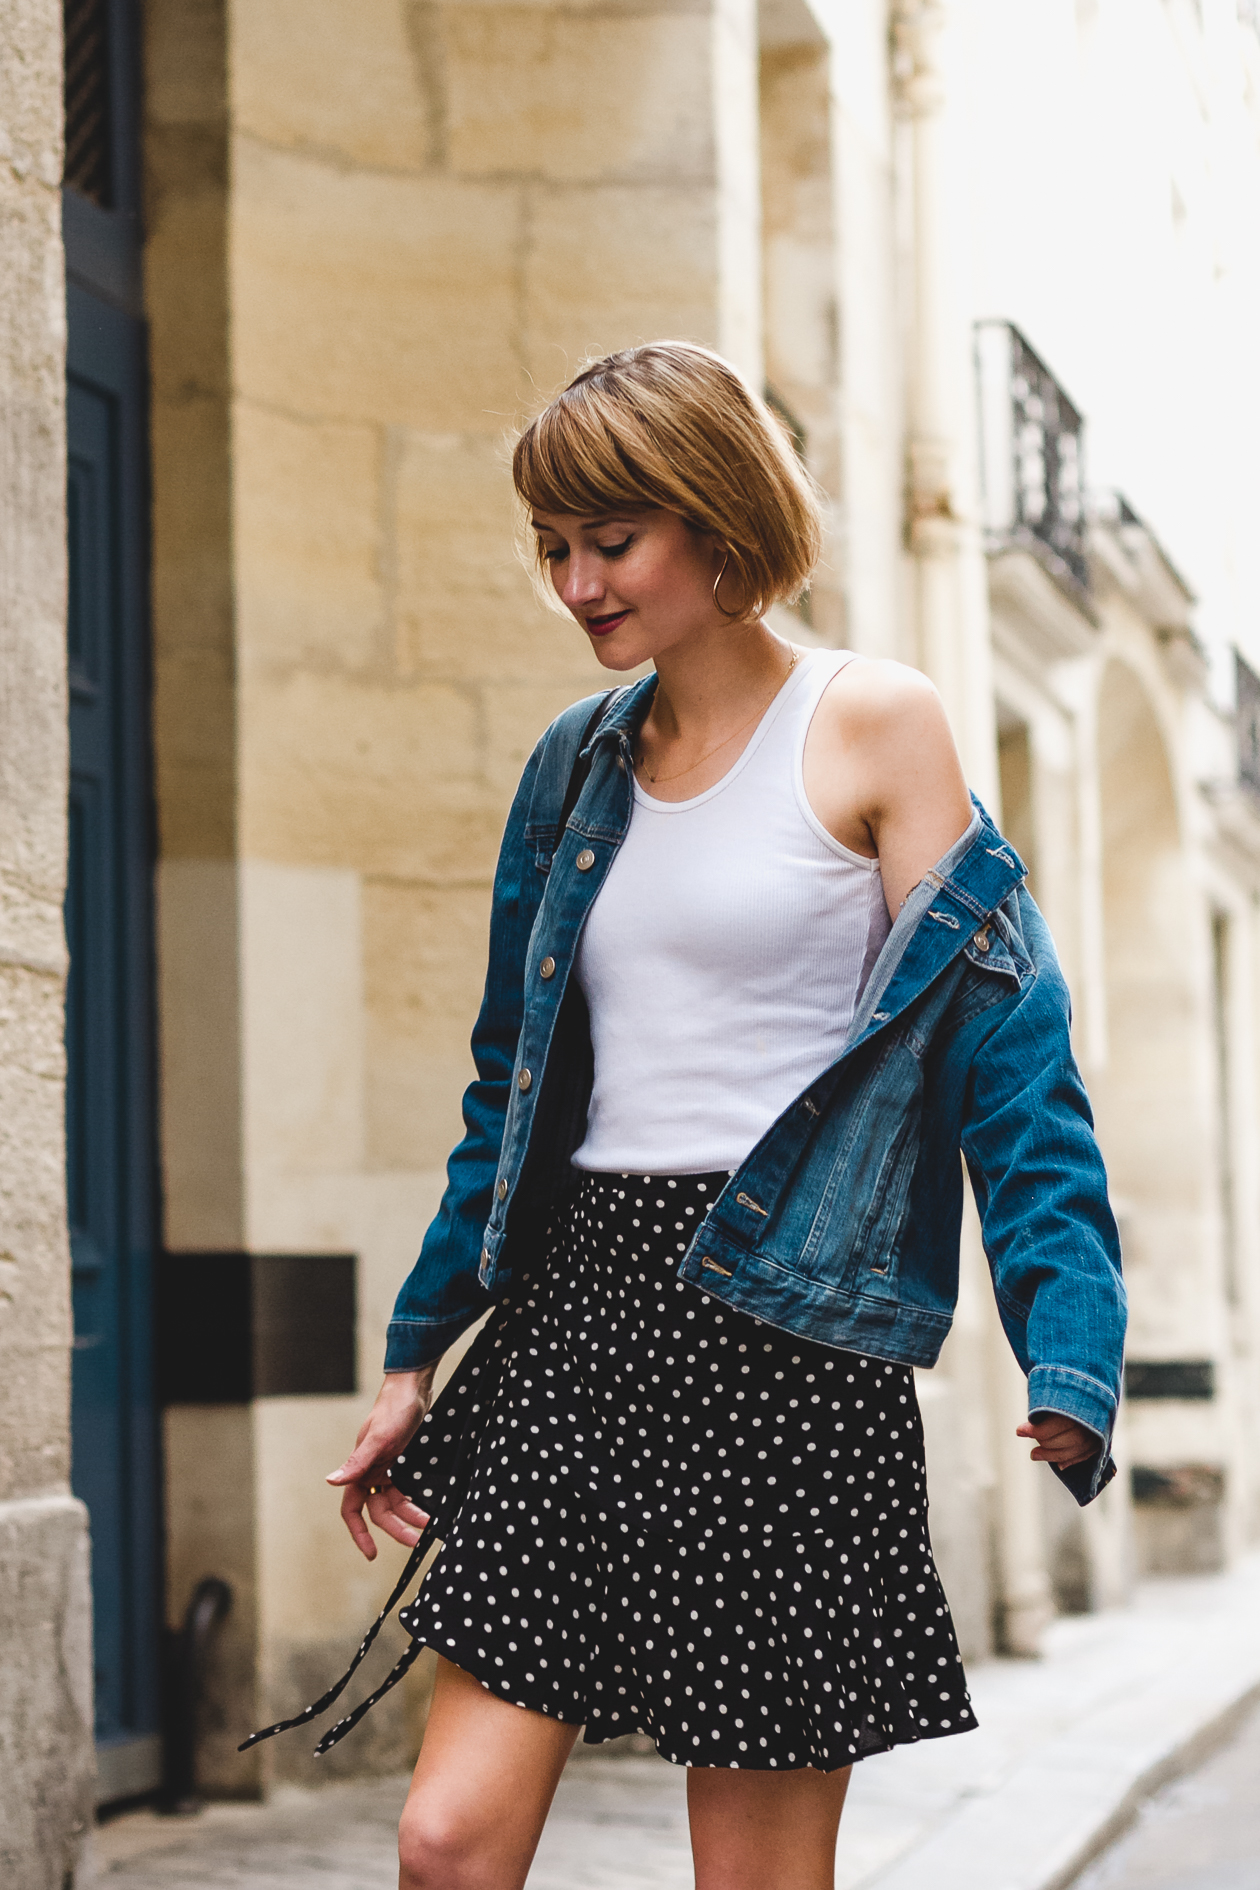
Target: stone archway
(1150, 1052)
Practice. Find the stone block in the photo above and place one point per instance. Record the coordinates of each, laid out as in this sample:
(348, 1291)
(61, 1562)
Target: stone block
(34, 1260)
(424, 963)
(194, 660)
(611, 266)
(1179, 1519)
(385, 780)
(516, 714)
(186, 263)
(46, 1762)
(314, 1587)
(197, 924)
(466, 607)
(30, 92)
(529, 94)
(301, 1021)
(361, 296)
(307, 538)
(336, 76)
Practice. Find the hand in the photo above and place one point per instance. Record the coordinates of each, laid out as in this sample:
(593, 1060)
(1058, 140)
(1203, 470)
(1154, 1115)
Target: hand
(391, 1424)
(1060, 1440)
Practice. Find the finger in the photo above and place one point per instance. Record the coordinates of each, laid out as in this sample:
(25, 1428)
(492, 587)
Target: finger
(352, 1517)
(363, 1458)
(406, 1510)
(1048, 1429)
(384, 1517)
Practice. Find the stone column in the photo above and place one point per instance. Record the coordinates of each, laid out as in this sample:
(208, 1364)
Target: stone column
(949, 585)
(949, 594)
(46, 1757)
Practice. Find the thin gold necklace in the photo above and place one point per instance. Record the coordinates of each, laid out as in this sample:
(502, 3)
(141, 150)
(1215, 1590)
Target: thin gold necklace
(726, 739)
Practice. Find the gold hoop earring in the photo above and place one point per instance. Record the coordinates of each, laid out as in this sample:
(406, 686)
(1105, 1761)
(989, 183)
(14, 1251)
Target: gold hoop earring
(717, 580)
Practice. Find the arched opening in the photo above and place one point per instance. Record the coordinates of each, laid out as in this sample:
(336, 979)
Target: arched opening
(1146, 1102)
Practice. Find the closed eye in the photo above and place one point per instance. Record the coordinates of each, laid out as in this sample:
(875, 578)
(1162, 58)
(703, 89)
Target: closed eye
(616, 551)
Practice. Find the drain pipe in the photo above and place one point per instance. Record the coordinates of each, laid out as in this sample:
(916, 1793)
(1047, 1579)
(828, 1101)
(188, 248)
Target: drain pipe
(186, 1661)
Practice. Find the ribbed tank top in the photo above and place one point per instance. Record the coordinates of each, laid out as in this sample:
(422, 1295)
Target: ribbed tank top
(724, 956)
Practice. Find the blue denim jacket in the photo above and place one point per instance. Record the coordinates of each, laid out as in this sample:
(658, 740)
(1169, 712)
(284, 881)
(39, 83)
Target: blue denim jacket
(843, 1223)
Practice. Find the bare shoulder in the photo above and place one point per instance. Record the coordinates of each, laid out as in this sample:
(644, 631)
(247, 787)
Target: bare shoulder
(873, 699)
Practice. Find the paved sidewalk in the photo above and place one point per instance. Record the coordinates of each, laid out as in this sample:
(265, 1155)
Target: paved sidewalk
(1067, 1748)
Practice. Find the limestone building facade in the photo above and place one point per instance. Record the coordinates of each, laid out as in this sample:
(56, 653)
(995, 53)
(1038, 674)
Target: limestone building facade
(1002, 294)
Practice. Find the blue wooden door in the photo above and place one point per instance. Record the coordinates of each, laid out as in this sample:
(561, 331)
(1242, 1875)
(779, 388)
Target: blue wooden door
(110, 1088)
(109, 1097)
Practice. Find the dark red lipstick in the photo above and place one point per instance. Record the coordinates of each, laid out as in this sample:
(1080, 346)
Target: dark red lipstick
(600, 626)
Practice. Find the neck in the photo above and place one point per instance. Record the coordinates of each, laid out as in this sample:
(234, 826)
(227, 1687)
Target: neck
(708, 680)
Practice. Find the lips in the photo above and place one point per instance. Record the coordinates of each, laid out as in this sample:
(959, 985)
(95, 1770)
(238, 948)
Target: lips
(600, 626)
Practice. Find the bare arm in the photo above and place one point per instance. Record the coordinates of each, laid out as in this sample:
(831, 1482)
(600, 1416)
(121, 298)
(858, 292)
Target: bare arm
(882, 772)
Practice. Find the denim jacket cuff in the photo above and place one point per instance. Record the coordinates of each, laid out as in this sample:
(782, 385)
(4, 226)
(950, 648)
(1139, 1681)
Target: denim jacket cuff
(1073, 1394)
(411, 1343)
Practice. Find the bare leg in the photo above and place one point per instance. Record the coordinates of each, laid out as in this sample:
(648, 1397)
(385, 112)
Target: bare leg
(765, 1830)
(481, 1791)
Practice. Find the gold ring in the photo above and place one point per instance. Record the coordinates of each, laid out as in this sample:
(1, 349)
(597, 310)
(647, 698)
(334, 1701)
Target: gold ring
(375, 1489)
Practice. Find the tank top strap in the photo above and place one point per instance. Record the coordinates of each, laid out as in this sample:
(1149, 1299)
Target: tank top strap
(778, 755)
(824, 667)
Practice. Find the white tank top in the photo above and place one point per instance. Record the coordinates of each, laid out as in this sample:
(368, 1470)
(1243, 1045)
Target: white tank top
(724, 956)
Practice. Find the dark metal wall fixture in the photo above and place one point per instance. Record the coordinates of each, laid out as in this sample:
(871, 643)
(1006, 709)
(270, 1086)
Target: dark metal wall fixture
(1178, 1486)
(1247, 722)
(1193, 1378)
(237, 1326)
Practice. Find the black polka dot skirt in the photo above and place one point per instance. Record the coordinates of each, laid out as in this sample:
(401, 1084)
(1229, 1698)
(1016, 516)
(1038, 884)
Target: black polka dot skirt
(658, 1515)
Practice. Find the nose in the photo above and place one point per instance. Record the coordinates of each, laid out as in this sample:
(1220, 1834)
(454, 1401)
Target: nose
(583, 583)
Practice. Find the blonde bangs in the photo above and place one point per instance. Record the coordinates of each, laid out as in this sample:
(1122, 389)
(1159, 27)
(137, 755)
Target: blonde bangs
(672, 425)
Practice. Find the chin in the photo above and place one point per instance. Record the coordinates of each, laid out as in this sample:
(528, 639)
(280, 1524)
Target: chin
(618, 659)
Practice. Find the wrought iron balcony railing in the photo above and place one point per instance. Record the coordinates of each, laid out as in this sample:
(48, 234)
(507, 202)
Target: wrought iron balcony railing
(1247, 724)
(1032, 459)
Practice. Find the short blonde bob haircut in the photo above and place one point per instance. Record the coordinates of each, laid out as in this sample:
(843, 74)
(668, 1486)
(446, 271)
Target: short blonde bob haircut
(673, 426)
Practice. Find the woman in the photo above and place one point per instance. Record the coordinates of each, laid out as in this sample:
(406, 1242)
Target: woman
(758, 969)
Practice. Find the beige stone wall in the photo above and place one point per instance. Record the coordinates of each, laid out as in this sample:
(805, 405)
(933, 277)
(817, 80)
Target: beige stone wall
(378, 235)
(46, 1763)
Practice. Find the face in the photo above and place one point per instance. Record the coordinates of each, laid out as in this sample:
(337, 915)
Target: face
(639, 583)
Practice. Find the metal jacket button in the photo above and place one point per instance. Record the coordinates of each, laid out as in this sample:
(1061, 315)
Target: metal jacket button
(547, 969)
(981, 941)
(523, 1081)
(501, 1191)
(485, 1256)
(585, 860)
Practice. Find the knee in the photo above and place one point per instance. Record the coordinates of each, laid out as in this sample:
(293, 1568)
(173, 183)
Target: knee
(438, 1850)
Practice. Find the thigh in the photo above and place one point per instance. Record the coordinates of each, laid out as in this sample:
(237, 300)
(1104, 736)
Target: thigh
(481, 1790)
(765, 1830)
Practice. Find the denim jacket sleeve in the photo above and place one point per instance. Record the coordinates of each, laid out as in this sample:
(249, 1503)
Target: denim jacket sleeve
(441, 1296)
(1041, 1189)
